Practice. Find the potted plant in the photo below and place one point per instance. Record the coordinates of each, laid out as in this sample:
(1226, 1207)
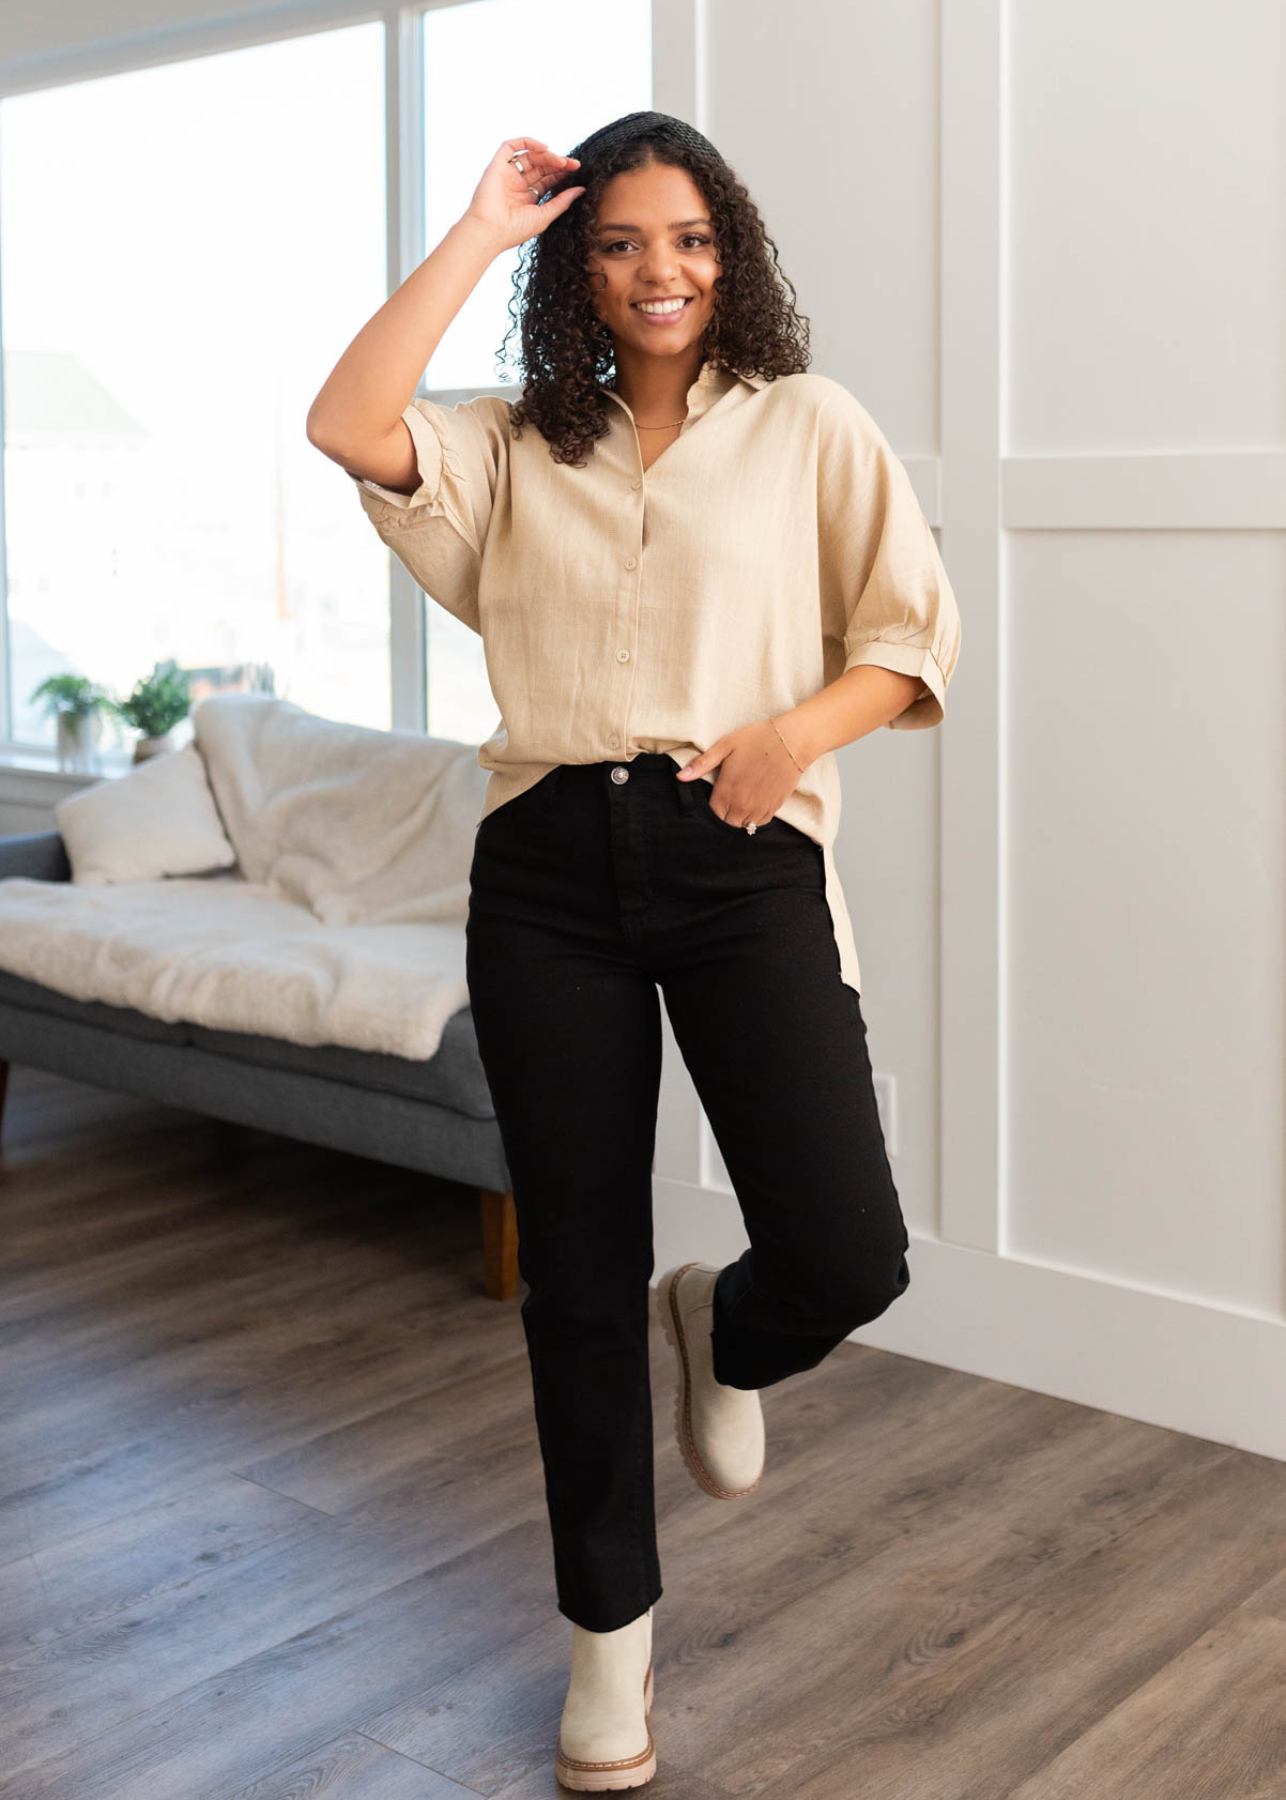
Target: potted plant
(78, 704)
(157, 704)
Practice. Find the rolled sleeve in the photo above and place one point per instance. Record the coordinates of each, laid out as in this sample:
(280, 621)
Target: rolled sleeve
(439, 532)
(886, 594)
(429, 458)
(930, 708)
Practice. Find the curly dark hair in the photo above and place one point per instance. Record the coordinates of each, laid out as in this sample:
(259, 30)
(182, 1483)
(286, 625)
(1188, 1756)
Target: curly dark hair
(567, 350)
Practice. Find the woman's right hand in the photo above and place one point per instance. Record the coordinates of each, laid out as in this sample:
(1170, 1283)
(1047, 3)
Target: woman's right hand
(503, 200)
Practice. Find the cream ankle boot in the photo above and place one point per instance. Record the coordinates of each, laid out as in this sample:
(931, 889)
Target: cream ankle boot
(720, 1429)
(604, 1720)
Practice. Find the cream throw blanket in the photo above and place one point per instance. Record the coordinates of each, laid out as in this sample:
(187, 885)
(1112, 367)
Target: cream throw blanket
(343, 922)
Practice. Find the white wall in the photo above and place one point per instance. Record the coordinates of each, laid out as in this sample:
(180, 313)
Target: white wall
(1044, 242)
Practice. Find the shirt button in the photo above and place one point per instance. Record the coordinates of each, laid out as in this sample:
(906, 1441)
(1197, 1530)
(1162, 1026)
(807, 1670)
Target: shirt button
(613, 741)
(622, 656)
(620, 773)
(636, 484)
(630, 561)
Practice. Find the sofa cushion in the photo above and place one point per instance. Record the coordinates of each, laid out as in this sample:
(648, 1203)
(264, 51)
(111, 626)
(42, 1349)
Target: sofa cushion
(15, 991)
(222, 952)
(160, 819)
(452, 1079)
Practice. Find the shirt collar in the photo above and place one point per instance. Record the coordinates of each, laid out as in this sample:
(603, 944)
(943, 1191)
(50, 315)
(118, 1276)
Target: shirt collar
(711, 384)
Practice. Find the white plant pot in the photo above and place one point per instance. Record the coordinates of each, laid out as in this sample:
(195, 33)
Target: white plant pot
(78, 738)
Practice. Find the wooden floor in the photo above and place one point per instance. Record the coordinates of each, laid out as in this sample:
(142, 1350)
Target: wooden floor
(273, 1525)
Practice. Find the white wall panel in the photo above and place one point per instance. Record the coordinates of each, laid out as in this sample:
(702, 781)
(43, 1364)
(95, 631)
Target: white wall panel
(1147, 886)
(829, 113)
(1147, 195)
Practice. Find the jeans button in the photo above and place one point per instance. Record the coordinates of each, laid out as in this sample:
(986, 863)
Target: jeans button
(620, 773)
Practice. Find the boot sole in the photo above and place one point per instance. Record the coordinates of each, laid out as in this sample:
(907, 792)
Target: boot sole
(672, 1326)
(605, 1777)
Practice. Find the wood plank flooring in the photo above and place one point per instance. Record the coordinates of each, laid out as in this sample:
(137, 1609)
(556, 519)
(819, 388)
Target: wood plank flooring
(272, 1525)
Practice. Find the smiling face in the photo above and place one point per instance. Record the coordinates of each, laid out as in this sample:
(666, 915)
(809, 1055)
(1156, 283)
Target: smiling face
(653, 241)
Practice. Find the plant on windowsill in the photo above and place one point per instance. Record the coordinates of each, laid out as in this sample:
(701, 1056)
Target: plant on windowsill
(159, 701)
(78, 704)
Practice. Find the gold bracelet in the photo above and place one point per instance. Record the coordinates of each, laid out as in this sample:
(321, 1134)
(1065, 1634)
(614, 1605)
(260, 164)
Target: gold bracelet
(790, 753)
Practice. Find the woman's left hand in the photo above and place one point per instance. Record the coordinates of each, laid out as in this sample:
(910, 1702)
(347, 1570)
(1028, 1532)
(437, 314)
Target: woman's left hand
(757, 772)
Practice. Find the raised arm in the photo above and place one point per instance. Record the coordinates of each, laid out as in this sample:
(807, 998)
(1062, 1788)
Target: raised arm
(356, 418)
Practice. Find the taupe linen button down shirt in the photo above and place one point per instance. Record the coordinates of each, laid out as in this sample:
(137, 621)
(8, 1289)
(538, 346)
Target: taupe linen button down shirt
(775, 543)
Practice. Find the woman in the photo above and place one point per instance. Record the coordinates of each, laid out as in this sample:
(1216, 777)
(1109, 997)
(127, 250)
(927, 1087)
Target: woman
(697, 570)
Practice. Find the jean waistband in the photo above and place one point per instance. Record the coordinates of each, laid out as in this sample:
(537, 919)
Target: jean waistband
(655, 767)
(646, 763)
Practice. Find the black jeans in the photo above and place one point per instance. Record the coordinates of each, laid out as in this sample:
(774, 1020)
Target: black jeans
(586, 893)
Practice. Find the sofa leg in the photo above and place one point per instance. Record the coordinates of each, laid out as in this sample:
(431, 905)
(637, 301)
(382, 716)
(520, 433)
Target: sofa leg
(499, 1243)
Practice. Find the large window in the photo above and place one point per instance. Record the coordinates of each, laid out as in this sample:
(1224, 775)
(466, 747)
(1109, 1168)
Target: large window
(185, 252)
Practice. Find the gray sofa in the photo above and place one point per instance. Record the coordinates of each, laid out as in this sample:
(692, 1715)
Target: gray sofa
(434, 1116)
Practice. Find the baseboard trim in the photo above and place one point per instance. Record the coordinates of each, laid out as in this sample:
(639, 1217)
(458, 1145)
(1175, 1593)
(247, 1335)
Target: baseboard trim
(1180, 1363)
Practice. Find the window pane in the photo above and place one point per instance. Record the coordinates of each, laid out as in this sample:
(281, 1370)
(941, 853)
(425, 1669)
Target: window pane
(487, 76)
(185, 252)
